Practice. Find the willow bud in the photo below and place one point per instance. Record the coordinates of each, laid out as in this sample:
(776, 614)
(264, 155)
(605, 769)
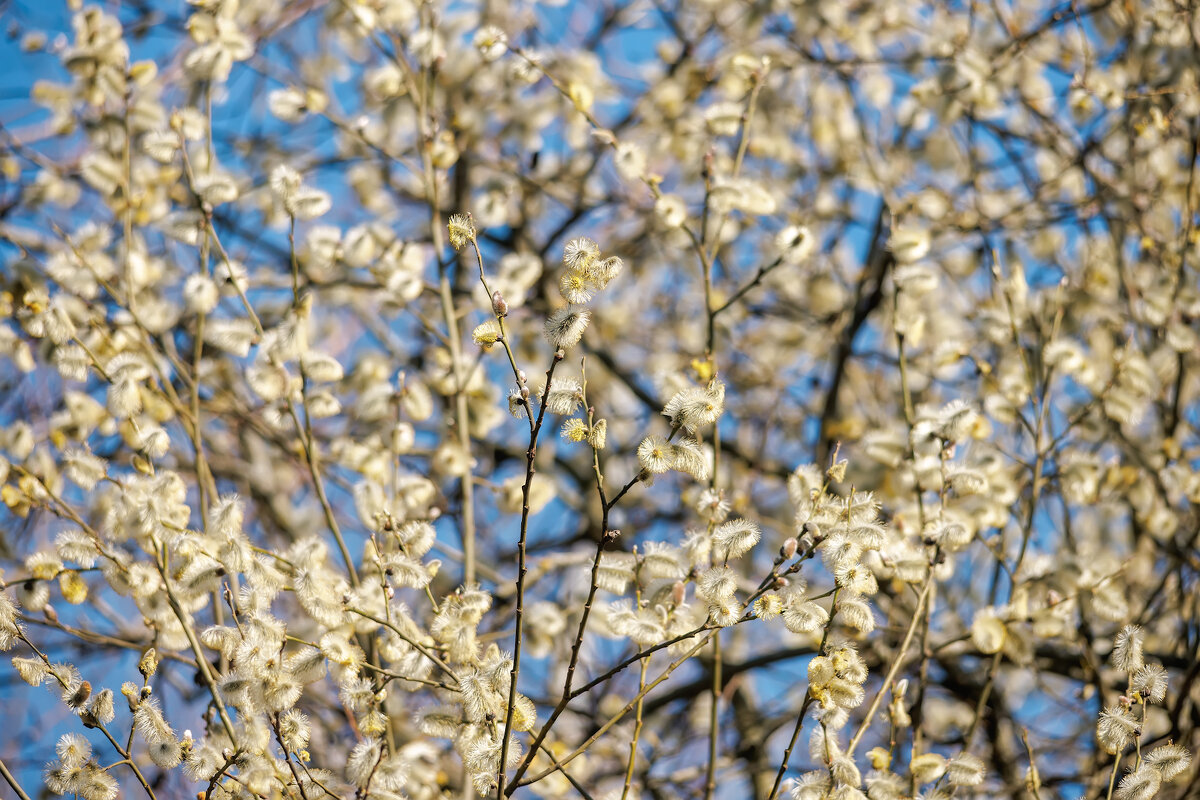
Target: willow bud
(149, 663)
(499, 306)
(80, 696)
(131, 695)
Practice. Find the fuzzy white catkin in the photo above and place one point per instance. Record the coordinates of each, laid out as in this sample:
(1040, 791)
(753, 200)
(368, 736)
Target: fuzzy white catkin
(161, 146)
(72, 749)
(927, 767)
(362, 761)
(286, 104)
(76, 546)
(845, 772)
(965, 769)
(1128, 648)
(322, 404)
(1141, 784)
(580, 253)
(564, 328)
(810, 786)
(166, 754)
(695, 406)
(284, 181)
(1151, 682)
(795, 244)
(9, 627)
(655, 454)
(84, 468)
(154, 441)
(725, 611)
(563, 396)
(72, 362)
(233, 336)
(859, 580)
(203, 761)
(101, 707)
(660, 560)
(687, 455)
(988, 632)
(735, 539)
(575, 288)
(805, 617)
(308, 203)
(307, 666)
(124, 398)
(598, 435)
(1171, 760)
(717, 583)
(630, 161)
(321, 367)
(909, 244)
(491, 42)
(31, 670)
(856, 612)
(1115, 729)
(217, 188)
(417, 537)
(150, 724)
(671, 210)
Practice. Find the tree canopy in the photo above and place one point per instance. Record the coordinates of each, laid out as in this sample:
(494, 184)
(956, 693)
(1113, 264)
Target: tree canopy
(616, 400)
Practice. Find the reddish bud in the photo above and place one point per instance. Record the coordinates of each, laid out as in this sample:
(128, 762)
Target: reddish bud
(499, 307)
(677, 592)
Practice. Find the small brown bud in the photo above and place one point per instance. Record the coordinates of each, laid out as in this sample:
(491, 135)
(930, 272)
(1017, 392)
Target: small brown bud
(499, 306)
(677, 592)
(80, 695)
(789, 548)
